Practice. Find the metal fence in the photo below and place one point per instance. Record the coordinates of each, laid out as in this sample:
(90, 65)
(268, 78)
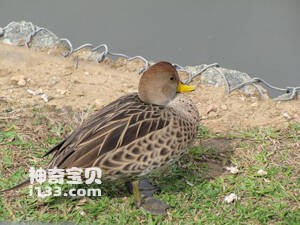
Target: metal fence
(102, 51)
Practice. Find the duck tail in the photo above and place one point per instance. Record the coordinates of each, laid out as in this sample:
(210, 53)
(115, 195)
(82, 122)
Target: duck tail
(18, 186)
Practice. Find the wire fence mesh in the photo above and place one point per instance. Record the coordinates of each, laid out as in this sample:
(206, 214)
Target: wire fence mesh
(102, 52)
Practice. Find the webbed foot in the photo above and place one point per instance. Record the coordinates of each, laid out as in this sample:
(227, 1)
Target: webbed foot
(154, 206)
(143, 198)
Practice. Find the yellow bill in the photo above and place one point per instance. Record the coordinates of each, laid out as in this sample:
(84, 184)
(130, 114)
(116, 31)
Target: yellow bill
(184, 88)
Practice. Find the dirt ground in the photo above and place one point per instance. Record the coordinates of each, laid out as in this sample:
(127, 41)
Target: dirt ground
(29, 77)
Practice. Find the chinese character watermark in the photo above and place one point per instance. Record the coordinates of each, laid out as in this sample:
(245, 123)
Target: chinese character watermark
(71, 175)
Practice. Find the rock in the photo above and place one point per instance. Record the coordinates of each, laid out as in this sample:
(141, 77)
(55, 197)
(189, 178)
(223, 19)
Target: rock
(231, 198)
(98, 102)
(53, 81)
(286, 116)
(212, 115)
(261, 172)
(215, 77)
(35, 92)
(45, 97)
(96, 56)
(62, 92)
(189, 183)
(15, 33)
(224, 107)
(40, 92)
(20, 80)
(44, 39)
(254, 104)
(232, 169)
(284, 97)
(1, 31)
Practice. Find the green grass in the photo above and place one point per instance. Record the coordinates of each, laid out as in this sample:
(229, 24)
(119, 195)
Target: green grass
(194, 187)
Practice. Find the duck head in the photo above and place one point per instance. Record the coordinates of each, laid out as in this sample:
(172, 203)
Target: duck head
(160, 83)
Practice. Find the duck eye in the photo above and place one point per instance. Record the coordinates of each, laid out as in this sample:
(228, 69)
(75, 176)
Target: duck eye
(172, 78)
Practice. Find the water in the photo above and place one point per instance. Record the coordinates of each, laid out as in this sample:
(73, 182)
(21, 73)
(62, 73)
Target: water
(257, 37)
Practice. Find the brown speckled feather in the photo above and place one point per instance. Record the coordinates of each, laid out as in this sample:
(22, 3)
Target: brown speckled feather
(129, 138)
(116, 125)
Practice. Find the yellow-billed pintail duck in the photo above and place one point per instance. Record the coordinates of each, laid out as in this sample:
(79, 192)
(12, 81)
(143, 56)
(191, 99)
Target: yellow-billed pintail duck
(135, 135)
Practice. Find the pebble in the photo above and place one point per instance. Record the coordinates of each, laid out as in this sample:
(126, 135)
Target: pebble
(61, 91)
(212, 115)
(261, 172)
(232, 169)
(231, 198)
(45, 97)
(39, 92)
(189, 183)
(224, 107)
(19, 80)
(255, 104)
(98, 102)
(22, 82)
(286, 116)
(35, 92)
(53, 81)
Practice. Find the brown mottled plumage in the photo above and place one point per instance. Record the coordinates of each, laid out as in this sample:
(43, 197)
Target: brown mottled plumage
(129, 138)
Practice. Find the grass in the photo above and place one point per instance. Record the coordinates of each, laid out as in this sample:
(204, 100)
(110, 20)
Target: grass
(194, 187)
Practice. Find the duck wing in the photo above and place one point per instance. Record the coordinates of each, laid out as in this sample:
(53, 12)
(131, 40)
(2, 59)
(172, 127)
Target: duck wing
(117, 124)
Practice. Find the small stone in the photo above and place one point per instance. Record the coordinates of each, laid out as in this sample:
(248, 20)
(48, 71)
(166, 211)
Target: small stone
(267, 180)
(36, 92)
(60, 91)
(16, 32)
(53, 81)
(254, 104)
(17, 78)
(224, 107)
(189, 183)
(286, 116)
(45, 97)
(231, 198)
(212, 115)
(86, 73)
(232, 169)
(261, 172)
(22, 82)
(98, 102)
(82, 213)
